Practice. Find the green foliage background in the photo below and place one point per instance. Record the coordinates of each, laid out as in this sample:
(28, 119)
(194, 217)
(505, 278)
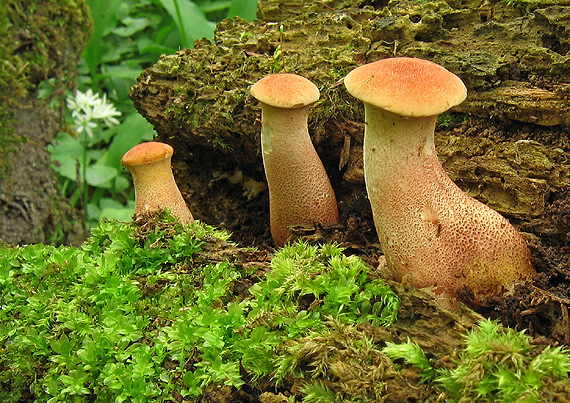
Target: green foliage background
(128, 36)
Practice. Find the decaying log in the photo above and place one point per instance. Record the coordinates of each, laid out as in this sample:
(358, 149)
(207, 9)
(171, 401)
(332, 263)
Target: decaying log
(508, 145)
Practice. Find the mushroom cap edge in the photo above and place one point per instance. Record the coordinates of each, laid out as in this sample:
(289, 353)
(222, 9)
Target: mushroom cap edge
(285, 90)
(406, 86)
(147, 152)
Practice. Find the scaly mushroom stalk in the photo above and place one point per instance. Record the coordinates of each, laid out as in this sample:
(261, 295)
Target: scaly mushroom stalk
(299, 187)
(155, 187)
(432, 233)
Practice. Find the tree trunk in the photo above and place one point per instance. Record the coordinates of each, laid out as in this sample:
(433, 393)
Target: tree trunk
(39, 42)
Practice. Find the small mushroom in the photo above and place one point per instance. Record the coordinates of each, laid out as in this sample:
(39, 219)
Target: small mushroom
(155, 188)
(299, 187)
(432, 233)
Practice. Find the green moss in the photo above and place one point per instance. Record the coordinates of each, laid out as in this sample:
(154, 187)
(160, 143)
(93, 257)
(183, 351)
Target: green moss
(449, 120)
(156, 304)
(35, 37)
(496, 365)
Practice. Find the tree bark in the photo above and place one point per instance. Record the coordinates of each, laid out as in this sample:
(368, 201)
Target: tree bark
(39, 42)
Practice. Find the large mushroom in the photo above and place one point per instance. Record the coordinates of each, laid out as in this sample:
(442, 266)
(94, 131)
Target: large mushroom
(299, 187)
(155, 188)
(432, 233)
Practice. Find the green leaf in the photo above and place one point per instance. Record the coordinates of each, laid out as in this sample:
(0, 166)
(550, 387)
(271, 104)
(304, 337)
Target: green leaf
(192, 383)
(245, 9)
(93, 212)
(114, 210)
(62, 346)
(146, 45)
(75, 383)
(100, 175)
(104, 14)
(133, 130)
(123, 71)
(121, 183)
(121, 78)
(65, 146)
(214, 6)
(67, 168)
(108, 203)
(131, 26)
(190, 20)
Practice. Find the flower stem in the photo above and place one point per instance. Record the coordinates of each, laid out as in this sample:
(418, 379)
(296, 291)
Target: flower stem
(83, 184)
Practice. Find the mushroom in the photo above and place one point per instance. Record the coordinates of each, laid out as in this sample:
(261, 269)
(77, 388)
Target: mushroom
(299, 188)
(432, 233)
(155, 188)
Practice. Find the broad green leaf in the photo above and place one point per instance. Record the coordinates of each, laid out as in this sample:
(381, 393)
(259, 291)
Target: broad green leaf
(104, 14)
(123, 71)
(67, 168)
(120, 53)
(123, 214)
(121, 183)
(245, 9)
(146, 45)
(131, 26)
(98, 175)
(65, 146)
(214, 6)
(132, 131)
(121, 78)
(108, 203)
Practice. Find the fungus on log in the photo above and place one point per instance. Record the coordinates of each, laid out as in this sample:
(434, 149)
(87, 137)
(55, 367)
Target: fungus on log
(155, 188)
(299, 187)
(433, 234)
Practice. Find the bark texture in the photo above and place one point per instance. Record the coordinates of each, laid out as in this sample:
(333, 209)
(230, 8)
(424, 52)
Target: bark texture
(39, 42)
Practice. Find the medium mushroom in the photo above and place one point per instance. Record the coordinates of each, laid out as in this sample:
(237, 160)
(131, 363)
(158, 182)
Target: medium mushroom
(155, 188)
(432, 233)
(299, 188)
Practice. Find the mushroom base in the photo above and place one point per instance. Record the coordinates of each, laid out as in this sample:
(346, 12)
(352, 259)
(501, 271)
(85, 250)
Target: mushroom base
(156, 190)
(433, 234)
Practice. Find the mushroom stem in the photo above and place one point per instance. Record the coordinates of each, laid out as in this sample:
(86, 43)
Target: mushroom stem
(432, 233)
(398, 136)
(155, 187)
(299, 187)
(281, 128)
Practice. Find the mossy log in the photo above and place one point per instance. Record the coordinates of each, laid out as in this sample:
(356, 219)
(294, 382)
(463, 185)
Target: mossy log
(506, 145)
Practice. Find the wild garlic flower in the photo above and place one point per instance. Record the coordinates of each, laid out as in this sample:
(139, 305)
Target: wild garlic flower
(87, 108)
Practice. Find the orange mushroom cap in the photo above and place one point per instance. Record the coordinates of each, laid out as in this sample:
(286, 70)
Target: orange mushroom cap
(285, 90)
(406, 86)
(146, 153)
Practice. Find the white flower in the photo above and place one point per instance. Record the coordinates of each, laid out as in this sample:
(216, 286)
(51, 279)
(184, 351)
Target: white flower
(86, 108)
(83, 123)
(106, 110)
